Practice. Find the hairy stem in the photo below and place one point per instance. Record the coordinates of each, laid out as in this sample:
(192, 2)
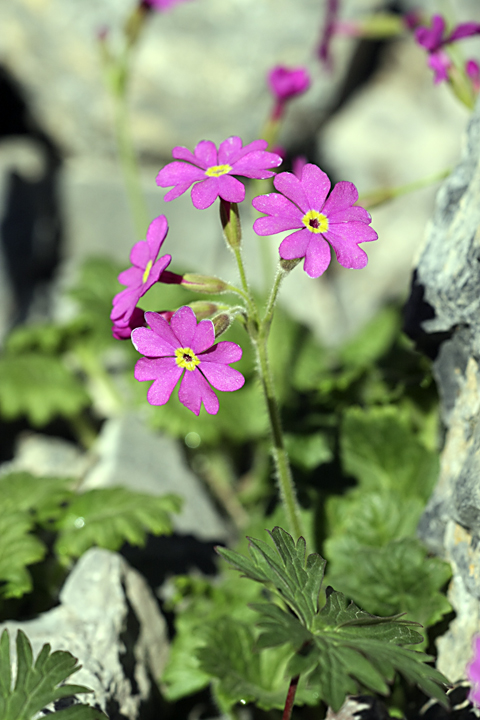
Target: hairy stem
(289, 702)
(280, 457)
(129, 166)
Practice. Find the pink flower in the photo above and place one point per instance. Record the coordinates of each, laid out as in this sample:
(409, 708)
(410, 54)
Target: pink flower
(329, 29)
(434, 39)
(161, 5)
(145, 272)
(212, 170)
(286, 83)
(186, 348)
(123, 332)
(473, 673)
(472, 69)
(303, 205)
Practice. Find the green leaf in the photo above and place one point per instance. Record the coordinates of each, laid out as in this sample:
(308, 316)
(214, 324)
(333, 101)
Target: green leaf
(308, 451)
(296, 578)
(398, 577)
(243, 674)
(340, 648)
(111, 516)
(18, 549)
(380, 450)
(40, 387)
(43, 497)
(38, 683)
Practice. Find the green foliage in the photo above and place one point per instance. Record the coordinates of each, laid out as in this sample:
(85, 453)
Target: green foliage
(38, 683)
(111, 516)
(40, 387)
(379, 449)
(106, 518)
(339, 647)
(373, 554)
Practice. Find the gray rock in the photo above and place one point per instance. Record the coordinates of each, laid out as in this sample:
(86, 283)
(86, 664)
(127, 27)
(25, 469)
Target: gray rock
(442, 315)
(199, 71)
(131, 455)
(109, 620)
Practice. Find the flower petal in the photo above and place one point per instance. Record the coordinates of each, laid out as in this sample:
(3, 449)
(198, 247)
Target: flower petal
(344, 240)
(316, 185)
(156, 233)
(231, 189)
(317, 257)
(164, 371)
(291, 186)
(155, 272)
(124, 304)
(223, 352)
(194, 389)
(131, 277)
(178, 173)
(343, 196)
(206, 154)
(256, 164)
(148, 343)
(184, 324)
(205, 193)
(295, 245)
(284, 215)
(203, 337)
(222, 377)
(182, 153)
(158, 323)
(464, 30)
(229, 150)
(356, 213)
(140, 254)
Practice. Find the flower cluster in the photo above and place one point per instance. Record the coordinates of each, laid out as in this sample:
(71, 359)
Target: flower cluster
(434, 40)
(180, 346)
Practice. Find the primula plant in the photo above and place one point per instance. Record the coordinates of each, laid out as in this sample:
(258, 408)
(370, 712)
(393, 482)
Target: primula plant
(325, 646)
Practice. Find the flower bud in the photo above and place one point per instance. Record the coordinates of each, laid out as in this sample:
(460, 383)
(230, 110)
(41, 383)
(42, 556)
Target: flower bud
(230, 219)
(203, 283)
(221, 323)
(288, 265)
(203, 309)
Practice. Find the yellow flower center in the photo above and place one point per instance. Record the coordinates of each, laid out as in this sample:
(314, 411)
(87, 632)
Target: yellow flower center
(186, 358)
(147, 271)
(217, 170)
(315, 221)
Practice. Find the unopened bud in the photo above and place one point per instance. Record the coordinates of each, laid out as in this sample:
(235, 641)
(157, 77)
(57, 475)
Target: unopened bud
(232, 230)
(288, 265)
(221, 323)
(203, 309)
(203, 283)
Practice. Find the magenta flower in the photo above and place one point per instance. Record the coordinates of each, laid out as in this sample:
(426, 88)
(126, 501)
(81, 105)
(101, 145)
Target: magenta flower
(473, 673)
(434, 40)
(472, 70)
(332, 9)
(212, 171)
(286, 83)
(303, 205)
(123, 332)
(160, 5)
(145, 272)
(186, 348)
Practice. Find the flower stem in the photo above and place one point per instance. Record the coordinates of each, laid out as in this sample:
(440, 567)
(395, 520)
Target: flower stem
(280, 457)
(289, 702)
(129, 165)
